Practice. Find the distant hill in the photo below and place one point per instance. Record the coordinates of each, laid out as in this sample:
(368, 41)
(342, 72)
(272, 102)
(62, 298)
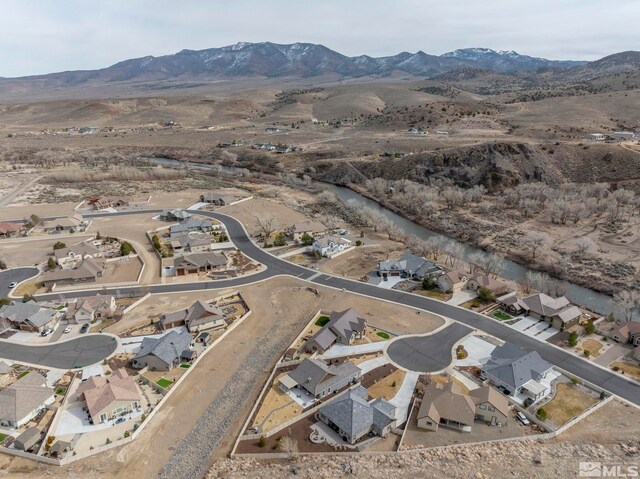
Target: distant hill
(507, 61)
(618, 63)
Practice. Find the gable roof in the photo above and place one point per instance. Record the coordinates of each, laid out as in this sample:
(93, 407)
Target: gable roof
(200, 260)
(487, 394)
(627, 329)
(341, 323)
(28, 312)
(411, 264)
(447, 401)
(168, 348)
(23, 396)
(99, 392)
(315, 375)
(6, 227)
(199, 312)
(90, 303)
(87, 269)
(515, 366)
(84, 248)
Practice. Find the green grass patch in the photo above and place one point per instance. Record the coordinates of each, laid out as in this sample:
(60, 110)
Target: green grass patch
(502, 316)
(383, 335)
(322, 320)
(62, 306)
(185, 366)
(22, 374)
(3, 437)
(61, 391)
(163, 383)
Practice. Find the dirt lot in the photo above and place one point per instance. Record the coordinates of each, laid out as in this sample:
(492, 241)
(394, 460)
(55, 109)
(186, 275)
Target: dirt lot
(568, 402)
(632, 370)
(247, 211)
(27, 251)
(363, 259)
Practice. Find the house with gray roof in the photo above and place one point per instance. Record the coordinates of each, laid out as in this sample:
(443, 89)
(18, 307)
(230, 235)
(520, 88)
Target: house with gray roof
(319, 378)
(200, 316)
(199, 262)
(353, 417)
(190, 225)
(27, 439)
(24, 399)
(411, 266)
(29, 316)
(513, 371)
(223, 197)
(69, 257)
(558, 312)
(175, 214)
(164, 353)
(344, 327)
(87, 271)
(192, 243)
(330, 245)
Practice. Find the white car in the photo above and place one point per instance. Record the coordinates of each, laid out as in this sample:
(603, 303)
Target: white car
(13, 285)
(67, 329)
(46, 332)
(522, 418)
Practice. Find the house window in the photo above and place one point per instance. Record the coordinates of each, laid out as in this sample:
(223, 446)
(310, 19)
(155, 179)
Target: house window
(491, 408)
(103, 417)
(483, 406)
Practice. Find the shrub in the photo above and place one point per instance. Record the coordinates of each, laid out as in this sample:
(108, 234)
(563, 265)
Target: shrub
(590, 328)
(542, 414)
(575, 380)
(359, 243)
(108, 441)
(586, 353)
(51, 263)
(573, 339)
(306, 239)
(280, 240)
(262, 442)
(126, 248)
(126, 434)
(28, 297)
(4, 302)
(485, 294)
(59, 245)
(428, 283)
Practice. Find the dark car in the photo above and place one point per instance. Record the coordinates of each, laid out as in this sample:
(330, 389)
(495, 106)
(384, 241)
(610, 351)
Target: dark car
(84, 328)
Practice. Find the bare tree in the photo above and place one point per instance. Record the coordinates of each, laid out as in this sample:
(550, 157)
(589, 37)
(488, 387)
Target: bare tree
(266, 225)
(583, 246)
(628, 302)
(535, 240)
(289, 445)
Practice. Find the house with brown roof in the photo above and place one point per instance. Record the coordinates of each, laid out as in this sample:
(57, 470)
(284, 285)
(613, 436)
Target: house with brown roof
(447, 405)
(452, 281)
(558, 312)
(69, 257)
(200, 316)
(479, 281)
(103, 203)
(312, 228)
(24, 399)
(628, 332)
(199, 263)
(29, 316)
(109, 397)
(8, 230)
(92, 308)
(71, 223)
(87, 271)
(344, 327)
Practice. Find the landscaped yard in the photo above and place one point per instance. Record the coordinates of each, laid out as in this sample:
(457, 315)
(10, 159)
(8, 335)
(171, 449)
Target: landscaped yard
(383, 335)
(3, 437)
(22, 374)
(387, 387)
(102, 325)
(60, 391)
(185, 366)
(163, 383)
(592, 346)
(568, 402)
(322, 320)
(434, 293)
(501, 315)
(632, 370)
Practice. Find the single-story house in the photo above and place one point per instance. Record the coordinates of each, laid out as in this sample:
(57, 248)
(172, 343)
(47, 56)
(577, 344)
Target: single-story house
(104, 203)
(312, 228)
(190, 225)
(558, 312)
(319, 378)
(447, 405)
(353, 417)
(409, 265)
(478, 281)
(29, 316)
(197, 317)
(27, 439)
(628, 332)
(10, 229)
(71, 223)
(452, 281)
(344, 327)
(597, 137)
(174, 214)
(87, 271)
(69, 257)
(329, 245)
(199, 263)
(514, 371)
(192, 243)
(219, 198)
(111, 396)
(24, 399)
(164, 353)
(85, 310)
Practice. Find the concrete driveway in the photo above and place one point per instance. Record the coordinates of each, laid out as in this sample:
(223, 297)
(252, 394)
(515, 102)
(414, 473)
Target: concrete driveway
(479, 351)
(613, 353)
(429, 353)
(402, 399)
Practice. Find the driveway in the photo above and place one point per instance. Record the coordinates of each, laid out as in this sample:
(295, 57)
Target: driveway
(479, 351)
(429, 353)
(535, 328)
(462, 296)
(16, 275)
(402, 399)
(610, 355)
(72, 354)
(339, 350)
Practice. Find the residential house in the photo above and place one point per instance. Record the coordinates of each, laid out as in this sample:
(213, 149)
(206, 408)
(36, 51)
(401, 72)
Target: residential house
(628, 332)
(8, 230)
(417, 131)
(105, 203)
(164, 353)
(330, 245)
(199, 263)
(597, 137)
(447, 405)
(190, 225)
(28, 439)
(69, 257)
(24, 399)
(409, 265)
(344, 327)
(175, 214)
(558, 312)
(29, 316)
(452, 281)
(109, 397)
(220, 197)
(320, 379)
(312, 228)
(479, 281)
(515, 371)
(71, 223)
(87, 271)
(192, 243)
(86, 310)
(200, 316)
(621, 136)
(353, 417)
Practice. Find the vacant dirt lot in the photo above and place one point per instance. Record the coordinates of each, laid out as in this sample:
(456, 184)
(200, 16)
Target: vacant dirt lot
(28, 252)
(568, 403)
(247, 211)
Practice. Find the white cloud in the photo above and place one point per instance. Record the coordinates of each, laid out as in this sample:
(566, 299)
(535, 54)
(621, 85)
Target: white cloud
(50, 35)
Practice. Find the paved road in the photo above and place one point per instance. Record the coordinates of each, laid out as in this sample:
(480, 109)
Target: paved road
(427, 354)
(17, 275)
(627, 389)
(72, 354)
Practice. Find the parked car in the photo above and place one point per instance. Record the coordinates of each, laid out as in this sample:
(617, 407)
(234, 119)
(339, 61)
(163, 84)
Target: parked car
(67, 329)
(46, 332)
(522, 418)
(13, 285)
(120, 420)
(84, 328)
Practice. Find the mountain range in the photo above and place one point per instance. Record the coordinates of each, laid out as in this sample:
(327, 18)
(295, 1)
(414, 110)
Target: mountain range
(307, 60)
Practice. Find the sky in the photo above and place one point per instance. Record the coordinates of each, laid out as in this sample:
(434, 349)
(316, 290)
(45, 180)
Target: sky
(56, 35)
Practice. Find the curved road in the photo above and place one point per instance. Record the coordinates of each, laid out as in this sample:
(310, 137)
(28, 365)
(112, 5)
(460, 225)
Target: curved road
(627, 389)
(73, 354)
(16, 275)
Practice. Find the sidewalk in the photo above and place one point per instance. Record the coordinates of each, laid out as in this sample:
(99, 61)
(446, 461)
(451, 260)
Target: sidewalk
(402, 399)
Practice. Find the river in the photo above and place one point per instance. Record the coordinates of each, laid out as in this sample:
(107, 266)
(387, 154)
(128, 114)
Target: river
(593, 300)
